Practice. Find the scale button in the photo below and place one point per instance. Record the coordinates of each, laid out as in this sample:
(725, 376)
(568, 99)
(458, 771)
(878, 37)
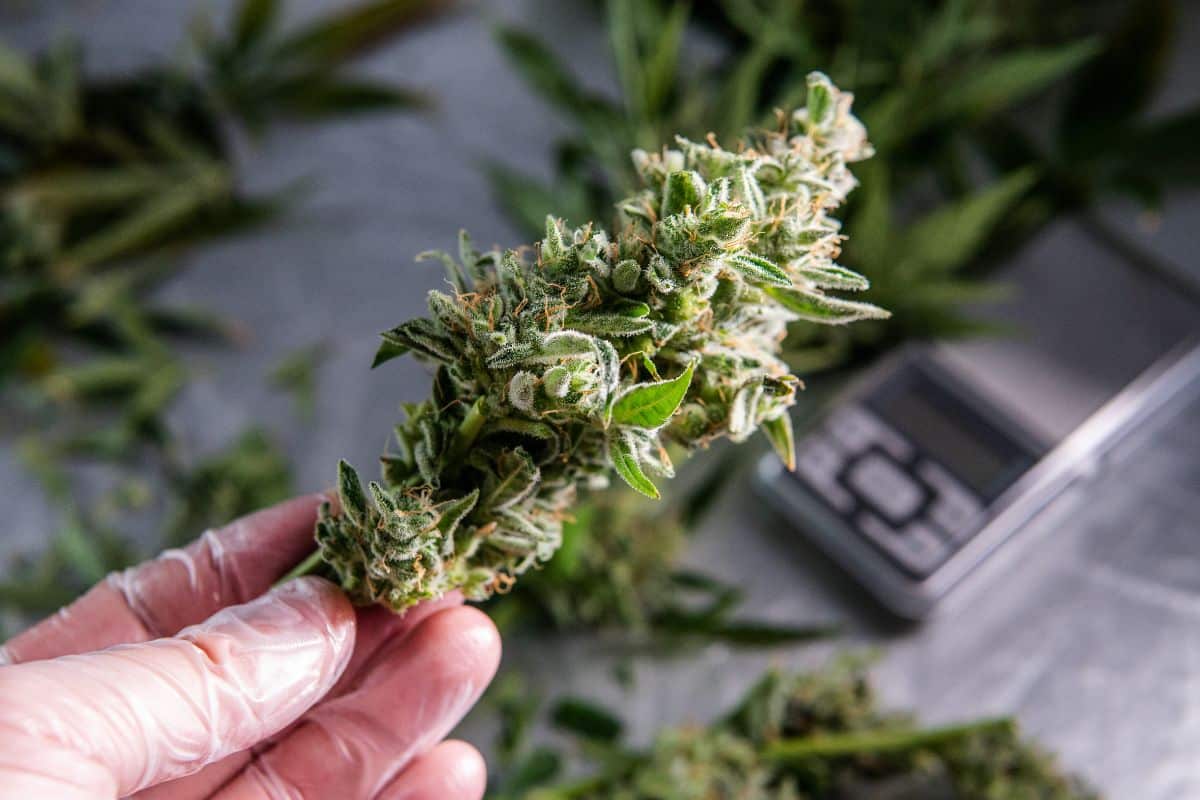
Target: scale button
(857, 430)
(853, 429)
(886, 486)
(916, 546)
(954, 508)
(955, 514)
(938, 476)
(819, 462)
(819, 453)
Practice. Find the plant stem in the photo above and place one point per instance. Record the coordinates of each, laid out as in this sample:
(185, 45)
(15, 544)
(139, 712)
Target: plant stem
(467, 432)
(875, 742)
(306, 567)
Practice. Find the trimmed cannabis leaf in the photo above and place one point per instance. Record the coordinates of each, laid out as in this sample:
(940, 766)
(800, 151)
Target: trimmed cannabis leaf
(816, 735)
(541, 355)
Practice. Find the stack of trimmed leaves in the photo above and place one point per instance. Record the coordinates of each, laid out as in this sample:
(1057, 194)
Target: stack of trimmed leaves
(819, 736)
(990, 117)
(105, 182)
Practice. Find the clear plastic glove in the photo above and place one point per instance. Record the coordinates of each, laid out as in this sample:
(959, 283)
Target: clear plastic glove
(291, 695)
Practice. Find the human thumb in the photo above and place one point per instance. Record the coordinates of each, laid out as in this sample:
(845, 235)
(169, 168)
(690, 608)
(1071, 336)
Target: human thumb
(109, 723)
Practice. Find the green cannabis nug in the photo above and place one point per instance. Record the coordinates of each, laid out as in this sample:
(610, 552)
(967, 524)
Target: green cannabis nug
(590, 352)
(820, 735)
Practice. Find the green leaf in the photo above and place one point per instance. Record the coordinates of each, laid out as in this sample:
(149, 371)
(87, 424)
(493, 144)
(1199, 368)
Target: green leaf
(764, 634)
(388, 349)
(632, 308)
(819, 104)
(522, 427)
(550, 350)
(344, 35)
(100, 378)
(944, 240)
(560, 345)
(833, 276)
(196, 323)
(954, 29)
(758, 270)
(817, 307)
(156, 393)
(902, 113)
(16, 73)
(1010, 78)
(77, 190)
(77, 547)
(684, 190)
(452, 512)
(624, 460)
(350, 494)
(149, 223)
(774, 34)
(531, 772)
(514, 478)
(543, 71)
(254, 19)
(385, 502)
(623, 38)
(609, 325)
(315, 96)
(779, 432)
(586, 719)
(662, 70)
(650, 405)
(422, 336)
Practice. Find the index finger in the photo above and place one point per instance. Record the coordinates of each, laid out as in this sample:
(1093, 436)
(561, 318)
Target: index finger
(180, 587)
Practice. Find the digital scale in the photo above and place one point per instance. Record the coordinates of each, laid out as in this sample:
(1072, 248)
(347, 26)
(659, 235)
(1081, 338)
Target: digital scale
(916, 475)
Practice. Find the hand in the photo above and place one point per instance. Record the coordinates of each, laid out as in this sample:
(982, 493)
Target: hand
(293, 695)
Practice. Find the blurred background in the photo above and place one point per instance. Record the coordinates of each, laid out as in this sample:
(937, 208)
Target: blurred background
(210, 209)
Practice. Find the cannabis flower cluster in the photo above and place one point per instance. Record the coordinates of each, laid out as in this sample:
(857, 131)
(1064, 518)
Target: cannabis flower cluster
(823, 735)
(591, 352)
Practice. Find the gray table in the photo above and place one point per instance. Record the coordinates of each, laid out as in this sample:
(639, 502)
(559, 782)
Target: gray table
(1089, 630)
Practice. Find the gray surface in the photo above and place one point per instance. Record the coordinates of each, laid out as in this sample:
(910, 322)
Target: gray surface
(1088, 631)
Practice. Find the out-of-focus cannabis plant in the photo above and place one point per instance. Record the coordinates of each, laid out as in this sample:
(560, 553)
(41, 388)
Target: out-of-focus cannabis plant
(104, 182)
(591, 353)
(819, 735)
(948, 90)
(616, 572)
(966, 173)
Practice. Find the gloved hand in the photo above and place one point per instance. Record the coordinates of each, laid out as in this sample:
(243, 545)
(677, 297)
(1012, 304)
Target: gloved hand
(291, 695)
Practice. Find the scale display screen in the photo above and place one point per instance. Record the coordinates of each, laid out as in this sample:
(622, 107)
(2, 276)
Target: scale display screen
(950, 432)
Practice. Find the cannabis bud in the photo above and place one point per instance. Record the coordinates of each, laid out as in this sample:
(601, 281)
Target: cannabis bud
(593, 351)
(823, 735)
